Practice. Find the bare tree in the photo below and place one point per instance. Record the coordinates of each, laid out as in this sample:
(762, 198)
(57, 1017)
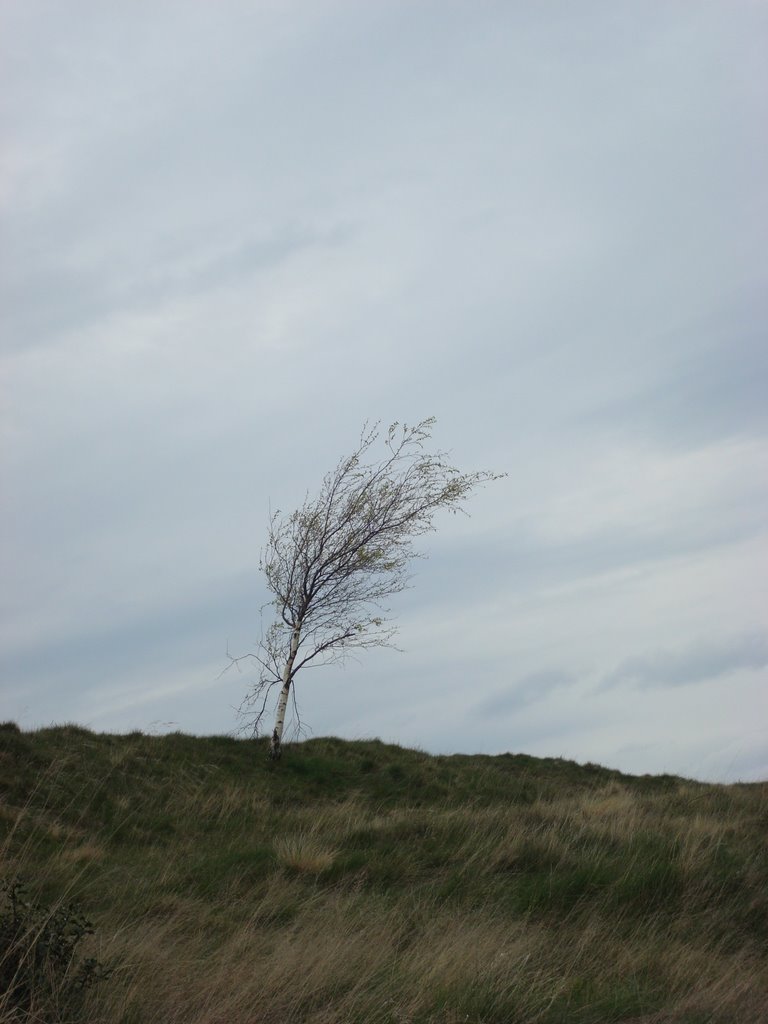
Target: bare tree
(332, 562)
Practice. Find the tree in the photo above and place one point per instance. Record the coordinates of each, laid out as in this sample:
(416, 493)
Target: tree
(332, 562)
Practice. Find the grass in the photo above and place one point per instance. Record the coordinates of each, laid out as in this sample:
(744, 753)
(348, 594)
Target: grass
(363, 882)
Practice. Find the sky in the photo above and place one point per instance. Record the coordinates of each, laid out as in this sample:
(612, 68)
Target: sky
(233, 232)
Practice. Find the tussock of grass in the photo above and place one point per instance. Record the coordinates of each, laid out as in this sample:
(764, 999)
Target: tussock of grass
(359, 882)
(303, 853)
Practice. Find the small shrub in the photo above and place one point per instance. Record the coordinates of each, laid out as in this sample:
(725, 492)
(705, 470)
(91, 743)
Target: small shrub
(41, 972)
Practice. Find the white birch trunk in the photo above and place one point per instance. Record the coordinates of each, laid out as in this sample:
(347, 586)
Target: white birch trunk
(275, 748)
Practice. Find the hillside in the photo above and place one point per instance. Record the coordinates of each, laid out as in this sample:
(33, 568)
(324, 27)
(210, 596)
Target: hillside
(361, 882)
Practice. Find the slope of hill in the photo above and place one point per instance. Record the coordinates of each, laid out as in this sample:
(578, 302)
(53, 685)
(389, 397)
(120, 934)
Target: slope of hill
(361, 882)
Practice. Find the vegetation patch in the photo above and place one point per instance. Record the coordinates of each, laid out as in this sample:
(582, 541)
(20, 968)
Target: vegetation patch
(363, 883)
(43, 976)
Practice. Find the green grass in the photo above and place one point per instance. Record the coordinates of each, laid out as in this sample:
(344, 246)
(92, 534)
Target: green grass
(364, 882)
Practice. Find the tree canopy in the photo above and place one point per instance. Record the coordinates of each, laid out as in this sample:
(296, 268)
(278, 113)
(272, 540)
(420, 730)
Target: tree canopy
(332, 563)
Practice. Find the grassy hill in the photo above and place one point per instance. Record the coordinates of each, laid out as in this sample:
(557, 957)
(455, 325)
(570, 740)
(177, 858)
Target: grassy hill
(361, 882)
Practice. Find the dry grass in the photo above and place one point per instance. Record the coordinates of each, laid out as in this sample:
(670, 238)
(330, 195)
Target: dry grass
(339, 963)
(325, 894)
(304, 853)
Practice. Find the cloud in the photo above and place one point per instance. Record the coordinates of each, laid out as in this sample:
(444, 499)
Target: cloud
(40, 305)
(528, 689)
(711, 387)
(694, 664)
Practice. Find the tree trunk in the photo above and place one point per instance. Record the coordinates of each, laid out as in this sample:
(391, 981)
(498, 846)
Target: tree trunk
(275, 746)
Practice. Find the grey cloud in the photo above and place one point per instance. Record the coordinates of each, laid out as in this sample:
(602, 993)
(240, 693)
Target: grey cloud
(196, 629)
(519, 562)
(706, 660)
(528, 689)
(708, 382)
(40, 303)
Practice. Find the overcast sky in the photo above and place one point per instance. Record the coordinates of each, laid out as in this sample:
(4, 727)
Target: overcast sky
(231, 232)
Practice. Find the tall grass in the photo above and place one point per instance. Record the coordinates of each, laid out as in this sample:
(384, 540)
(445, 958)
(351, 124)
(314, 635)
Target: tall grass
(359, 882)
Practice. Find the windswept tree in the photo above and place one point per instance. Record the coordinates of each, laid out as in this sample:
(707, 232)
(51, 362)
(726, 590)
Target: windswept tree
(333, 562)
